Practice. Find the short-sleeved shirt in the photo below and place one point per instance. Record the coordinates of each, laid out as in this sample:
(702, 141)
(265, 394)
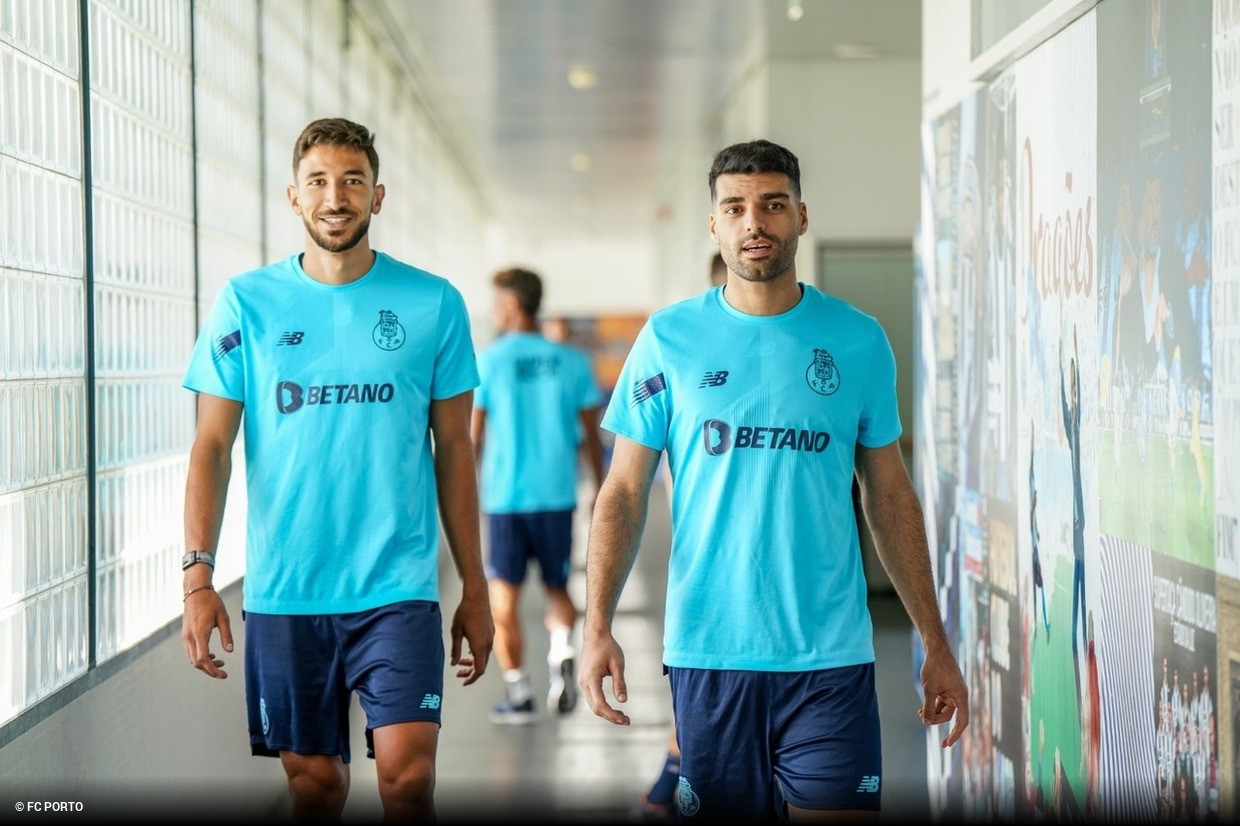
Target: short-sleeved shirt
(533, 391)
(337, 383)
(760, 417)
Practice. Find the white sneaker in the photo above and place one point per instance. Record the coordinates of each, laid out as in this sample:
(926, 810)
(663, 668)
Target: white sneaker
(562, 698)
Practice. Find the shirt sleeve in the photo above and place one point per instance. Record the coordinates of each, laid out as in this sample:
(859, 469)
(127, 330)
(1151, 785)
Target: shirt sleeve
(456, 366)
(486, 371)
(880, 416)
(217, 363)
(640, 407)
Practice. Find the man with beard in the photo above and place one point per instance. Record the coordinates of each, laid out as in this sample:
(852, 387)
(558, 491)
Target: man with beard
(355, 375)
(769, 397)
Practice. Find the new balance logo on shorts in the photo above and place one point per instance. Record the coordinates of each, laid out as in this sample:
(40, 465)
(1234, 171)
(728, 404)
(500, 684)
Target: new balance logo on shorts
(869, 783)
(717, 378)
(430, 701)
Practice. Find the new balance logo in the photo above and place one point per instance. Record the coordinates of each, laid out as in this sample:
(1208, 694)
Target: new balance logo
(715, 379)
(430, 701)
(291, 339)
(869, 783)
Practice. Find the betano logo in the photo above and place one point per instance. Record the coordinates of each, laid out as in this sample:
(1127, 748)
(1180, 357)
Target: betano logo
(718, 437)
(291, 397)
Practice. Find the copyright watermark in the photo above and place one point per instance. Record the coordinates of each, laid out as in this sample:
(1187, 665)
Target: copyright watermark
(49, 806)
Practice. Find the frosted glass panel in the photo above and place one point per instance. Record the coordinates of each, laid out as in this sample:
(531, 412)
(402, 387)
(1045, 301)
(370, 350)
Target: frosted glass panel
(142, 202)
(43, 420)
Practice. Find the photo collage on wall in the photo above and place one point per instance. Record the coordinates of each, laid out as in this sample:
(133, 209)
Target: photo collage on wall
(1067, 291)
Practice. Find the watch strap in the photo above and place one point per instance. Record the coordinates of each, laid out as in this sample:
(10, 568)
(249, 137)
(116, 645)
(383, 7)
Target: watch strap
(194, 557)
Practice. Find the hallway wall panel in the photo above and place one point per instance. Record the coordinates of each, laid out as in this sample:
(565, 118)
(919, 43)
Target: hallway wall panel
(43, 400)
(1069, 408)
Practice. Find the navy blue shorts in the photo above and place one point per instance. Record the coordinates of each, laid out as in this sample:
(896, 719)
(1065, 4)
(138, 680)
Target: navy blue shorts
(546, 536)
(300, 672)
(751, 741)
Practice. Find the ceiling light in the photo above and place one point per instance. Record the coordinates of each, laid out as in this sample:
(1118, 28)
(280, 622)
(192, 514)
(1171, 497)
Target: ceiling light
(580, 161)
(582, 76)
(795, 12)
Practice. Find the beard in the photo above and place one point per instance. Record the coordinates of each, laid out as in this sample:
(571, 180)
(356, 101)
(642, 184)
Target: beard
(344, 244)
(768, 269)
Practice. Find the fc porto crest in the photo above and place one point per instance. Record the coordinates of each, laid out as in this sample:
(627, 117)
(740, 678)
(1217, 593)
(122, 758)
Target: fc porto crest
(822, 375)
(388, 333)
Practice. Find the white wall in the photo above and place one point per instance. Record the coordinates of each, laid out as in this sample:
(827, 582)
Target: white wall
(945, 48)
(584, 275)
(854, 126)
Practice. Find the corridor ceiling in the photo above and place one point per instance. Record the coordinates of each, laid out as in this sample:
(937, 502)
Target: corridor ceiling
(651, 72)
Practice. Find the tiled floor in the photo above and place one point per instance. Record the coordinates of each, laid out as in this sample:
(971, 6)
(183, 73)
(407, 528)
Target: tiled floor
(578, 768)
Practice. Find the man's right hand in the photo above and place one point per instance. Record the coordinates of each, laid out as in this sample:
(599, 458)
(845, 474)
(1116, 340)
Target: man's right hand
(601, 657)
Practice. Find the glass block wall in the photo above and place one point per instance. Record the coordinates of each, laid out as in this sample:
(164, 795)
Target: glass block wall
(142, 216)
(145, 148)
(44, 564)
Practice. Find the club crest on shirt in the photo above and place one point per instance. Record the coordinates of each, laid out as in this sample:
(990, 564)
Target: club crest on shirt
(388, 333)
(822, 375)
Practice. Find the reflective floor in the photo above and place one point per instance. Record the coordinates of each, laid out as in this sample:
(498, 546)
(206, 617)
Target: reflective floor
(578, 768)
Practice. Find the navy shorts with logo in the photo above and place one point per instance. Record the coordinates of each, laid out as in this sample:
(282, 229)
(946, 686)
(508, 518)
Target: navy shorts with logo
(516, 537)
(301, 671)
(751, 741)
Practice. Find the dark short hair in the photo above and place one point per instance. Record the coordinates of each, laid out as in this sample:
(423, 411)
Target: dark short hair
(336, 132)
(526, 285)
(753, 158)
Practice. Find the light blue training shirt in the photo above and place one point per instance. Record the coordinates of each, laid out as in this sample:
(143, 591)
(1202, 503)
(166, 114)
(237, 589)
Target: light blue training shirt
(760, 417)
(533, 391)
(337, 383)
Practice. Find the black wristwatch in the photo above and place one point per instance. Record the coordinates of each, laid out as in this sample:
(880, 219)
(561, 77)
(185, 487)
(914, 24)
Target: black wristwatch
(194, 557)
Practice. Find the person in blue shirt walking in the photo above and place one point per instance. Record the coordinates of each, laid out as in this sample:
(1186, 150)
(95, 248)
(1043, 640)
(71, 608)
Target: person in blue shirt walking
(535, 414)
(769, 397)
(352, 374)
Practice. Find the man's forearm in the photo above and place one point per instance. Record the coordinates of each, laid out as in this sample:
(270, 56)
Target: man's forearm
(897, 526)
(206, 494)
(457, 483)
(615, 534)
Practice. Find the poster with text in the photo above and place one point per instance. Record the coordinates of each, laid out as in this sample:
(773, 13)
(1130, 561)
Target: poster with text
(1225, 195)
(1056, 243)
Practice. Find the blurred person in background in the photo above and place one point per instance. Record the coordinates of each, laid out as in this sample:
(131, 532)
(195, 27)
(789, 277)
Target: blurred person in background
(536, 408)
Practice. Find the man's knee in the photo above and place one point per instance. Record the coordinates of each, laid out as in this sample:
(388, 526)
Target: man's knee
(412, 782)
(504, 599)
(317, 781)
